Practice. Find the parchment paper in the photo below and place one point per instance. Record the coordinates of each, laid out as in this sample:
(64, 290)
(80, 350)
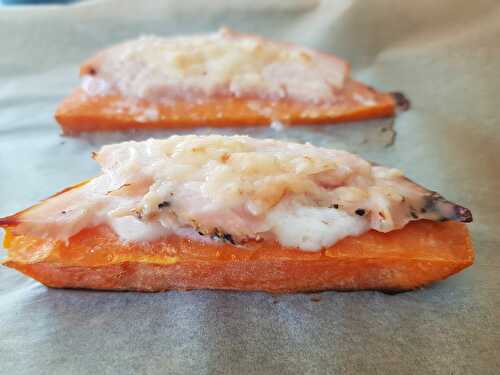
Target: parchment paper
(444, 55)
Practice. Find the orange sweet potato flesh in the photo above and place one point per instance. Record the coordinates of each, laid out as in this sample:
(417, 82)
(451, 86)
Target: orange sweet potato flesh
(95, 258)
(80, 112)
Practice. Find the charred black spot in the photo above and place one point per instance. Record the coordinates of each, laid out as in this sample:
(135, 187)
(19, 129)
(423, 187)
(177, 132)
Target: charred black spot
(413, 212)
(392, 292)
(402, 102)
(216, 234)
(201, 233)
(360, 211)
(336, 206)
(434, 201)
(92, 71)
(63, 212)
(164, 204)
(463, 213)
(228, 238)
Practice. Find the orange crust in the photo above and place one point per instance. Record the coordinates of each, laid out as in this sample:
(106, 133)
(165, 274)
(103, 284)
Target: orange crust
(80, 112)
(95, 258)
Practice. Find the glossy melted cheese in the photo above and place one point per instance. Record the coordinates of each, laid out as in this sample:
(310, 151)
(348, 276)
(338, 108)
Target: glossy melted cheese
(224, 63)
(231, 188)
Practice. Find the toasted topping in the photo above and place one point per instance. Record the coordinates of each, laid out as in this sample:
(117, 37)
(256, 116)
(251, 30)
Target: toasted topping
(224, 63)
(237, 189)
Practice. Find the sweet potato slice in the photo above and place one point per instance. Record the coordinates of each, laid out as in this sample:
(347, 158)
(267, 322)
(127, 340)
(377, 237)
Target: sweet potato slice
(177, 107)
(80, 112)
(95, 258)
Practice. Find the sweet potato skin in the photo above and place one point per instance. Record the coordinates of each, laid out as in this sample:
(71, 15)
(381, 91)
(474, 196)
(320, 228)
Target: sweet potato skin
(82, 113)
(406, 259)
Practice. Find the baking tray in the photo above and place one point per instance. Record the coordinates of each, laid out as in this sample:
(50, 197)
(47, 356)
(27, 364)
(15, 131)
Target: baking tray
(445, 56)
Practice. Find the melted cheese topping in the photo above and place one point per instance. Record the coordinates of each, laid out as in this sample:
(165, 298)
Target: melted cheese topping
(223, 63)
(231, 188)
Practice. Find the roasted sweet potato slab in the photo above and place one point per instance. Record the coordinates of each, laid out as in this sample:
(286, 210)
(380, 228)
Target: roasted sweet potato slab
(80, 112)
(421, 253)
(114, 109)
